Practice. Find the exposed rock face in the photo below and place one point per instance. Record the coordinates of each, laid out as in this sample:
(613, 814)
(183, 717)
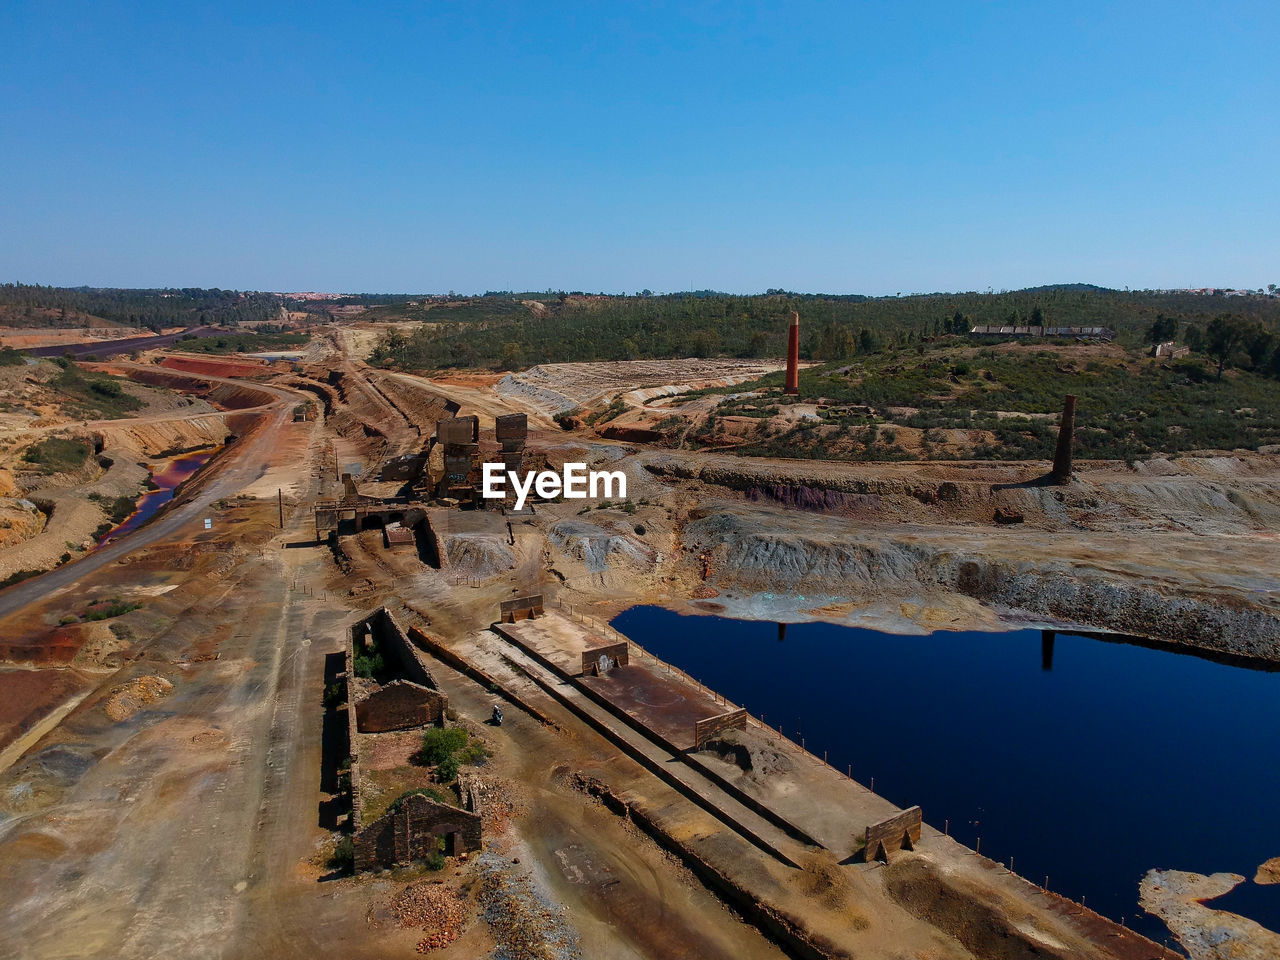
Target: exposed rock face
(19, 520)
(1176, 897)
(813, 558)
(1218, 495)
(477, 555)
(596, 545)
(1268, 872)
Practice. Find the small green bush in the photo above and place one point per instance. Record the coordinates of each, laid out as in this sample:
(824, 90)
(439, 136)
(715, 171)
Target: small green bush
(344, 854)
(370, 665)
(116, 608)
(441, 743)
(333, 695)
(447, 769)
(474, 752)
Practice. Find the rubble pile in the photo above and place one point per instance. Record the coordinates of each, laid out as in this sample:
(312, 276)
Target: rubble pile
(434, 908)
(499, 800)
(128, 698)
(526, 924)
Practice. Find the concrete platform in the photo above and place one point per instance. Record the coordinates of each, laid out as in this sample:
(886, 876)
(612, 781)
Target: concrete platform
(555, 640)
(813, 796)
(665, 704)
(651, 696)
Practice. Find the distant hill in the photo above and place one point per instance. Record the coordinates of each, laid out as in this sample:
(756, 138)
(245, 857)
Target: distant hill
(1048, 287)
(32, 305)
(503, 332)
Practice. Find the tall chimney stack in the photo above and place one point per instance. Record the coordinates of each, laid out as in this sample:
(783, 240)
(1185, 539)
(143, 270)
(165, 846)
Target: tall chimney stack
(1062, 458)
(793, 355)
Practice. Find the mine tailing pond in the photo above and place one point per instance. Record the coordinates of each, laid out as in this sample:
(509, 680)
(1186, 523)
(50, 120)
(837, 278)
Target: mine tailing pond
(1089, 762)
(166, 476)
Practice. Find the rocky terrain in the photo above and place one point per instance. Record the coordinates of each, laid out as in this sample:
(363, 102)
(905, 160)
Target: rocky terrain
(190, 719)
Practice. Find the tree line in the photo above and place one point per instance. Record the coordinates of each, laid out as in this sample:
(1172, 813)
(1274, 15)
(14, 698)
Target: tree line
(496, 332)
(35, 305)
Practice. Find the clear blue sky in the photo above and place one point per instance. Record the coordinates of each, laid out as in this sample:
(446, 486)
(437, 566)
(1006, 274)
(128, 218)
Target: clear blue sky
(869, 147)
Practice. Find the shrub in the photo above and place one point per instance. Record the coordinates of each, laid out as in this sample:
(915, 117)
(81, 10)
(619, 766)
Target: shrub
(18, 576)
(565, 418)
(370, 665)
(447, 769)
(57, 454)
(344, 854)
(474, 752)
(115, 608)
(333, 694)
(441, 743)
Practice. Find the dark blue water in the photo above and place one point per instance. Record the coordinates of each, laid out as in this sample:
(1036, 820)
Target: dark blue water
(1118, 759)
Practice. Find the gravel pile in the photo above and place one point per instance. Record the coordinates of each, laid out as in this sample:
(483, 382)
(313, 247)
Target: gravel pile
(127, 699)
(433, 907)
(526, 924)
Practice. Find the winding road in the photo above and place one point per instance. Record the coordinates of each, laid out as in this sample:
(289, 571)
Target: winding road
(244, 462)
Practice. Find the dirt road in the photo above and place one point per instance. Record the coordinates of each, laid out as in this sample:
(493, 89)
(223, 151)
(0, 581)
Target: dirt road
(241, 465)
(111, 348)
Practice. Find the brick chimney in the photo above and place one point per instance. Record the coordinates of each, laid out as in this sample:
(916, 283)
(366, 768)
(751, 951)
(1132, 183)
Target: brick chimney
(1062, 458)
(793, 355)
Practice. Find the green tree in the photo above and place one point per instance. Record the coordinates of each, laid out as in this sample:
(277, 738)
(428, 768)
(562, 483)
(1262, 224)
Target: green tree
(758, 344)
(1164, 329)
(1258, 345)
(835, 343)
(512, 356)
(1224, 337)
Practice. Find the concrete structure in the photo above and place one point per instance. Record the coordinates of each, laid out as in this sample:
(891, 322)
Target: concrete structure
(416, 827)
(1170, 350)
(396, 536)
(1066, 431)
(899, 832)
(355, 506)
(511, 430)
(600, 660)
(1075, 333)
(520, 608)
(400, 705)
(460, 438)
(712, 727)
(793, 355)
